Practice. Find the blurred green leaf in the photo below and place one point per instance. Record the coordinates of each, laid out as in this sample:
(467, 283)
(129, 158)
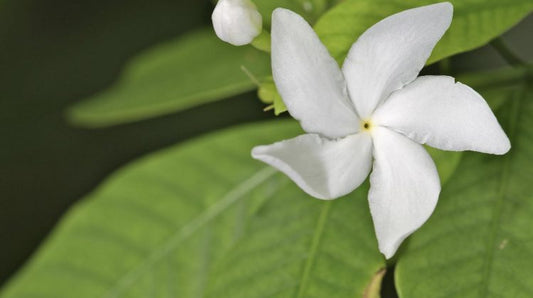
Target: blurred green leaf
(190, 71)
(478, 243)
(474, 24)
(204, 219)
(446, 161)
(265, 7)
(309, 9)
(497, 85)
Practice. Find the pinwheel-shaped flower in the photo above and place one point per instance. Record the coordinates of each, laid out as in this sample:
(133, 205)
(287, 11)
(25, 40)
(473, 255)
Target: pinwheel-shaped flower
(375, 109)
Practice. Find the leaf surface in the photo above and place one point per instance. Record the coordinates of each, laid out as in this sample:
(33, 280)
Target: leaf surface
(193, 70)
(474, 23)
(479, 241)
(204, 219)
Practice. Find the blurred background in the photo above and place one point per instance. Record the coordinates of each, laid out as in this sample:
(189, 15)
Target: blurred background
(56, 52)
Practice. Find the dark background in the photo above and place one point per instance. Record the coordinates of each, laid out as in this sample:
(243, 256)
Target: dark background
(56, 52)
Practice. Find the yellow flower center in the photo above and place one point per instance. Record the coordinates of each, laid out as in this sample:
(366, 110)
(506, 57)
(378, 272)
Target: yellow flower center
(366, 125)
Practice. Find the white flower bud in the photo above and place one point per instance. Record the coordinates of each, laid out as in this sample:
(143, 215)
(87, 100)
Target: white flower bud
(236, 21)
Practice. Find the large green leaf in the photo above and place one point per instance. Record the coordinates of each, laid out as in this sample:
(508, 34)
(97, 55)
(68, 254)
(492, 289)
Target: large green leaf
(474, 23)
(192, 70)
(479, 242)
(204, 219)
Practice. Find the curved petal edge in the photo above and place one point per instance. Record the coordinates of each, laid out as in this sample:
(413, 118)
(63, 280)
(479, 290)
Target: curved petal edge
(442, 113)
(308, 79)
(391, 53)
(404, 188)
(325, 169)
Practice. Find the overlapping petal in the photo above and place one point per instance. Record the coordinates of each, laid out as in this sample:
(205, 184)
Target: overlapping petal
(391, 53)
(404, 188)
(325, 169)
(437, 111)
(308, 78)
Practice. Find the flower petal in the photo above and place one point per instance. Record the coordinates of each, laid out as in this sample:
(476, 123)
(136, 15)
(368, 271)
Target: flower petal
(404, 188)
(437, 111)
(325, 169)
(308, 79)
(392, 52)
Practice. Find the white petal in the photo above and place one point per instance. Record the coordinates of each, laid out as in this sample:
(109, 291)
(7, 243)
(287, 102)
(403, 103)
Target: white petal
(236, 21)
(404, 188)
(437, 111)
(325, 169)
(392, 52)
(308, 79)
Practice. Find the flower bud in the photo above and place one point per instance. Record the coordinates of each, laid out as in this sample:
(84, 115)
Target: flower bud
(236, 21)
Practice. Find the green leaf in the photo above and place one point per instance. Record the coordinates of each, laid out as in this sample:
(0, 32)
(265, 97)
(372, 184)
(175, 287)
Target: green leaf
(474, 23)
(309, 9)
(190, 71)
(496, 86)
(478, 243)
(204, 219)
(265, 7)
(446, 161)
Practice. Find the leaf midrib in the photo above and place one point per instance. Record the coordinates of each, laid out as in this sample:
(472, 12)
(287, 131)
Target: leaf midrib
(317, 236)
(232, 196)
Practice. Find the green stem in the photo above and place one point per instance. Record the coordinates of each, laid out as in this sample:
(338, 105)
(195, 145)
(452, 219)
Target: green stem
(506, 53)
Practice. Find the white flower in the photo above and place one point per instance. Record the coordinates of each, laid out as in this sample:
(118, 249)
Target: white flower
(236, 21)
(375, 109)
